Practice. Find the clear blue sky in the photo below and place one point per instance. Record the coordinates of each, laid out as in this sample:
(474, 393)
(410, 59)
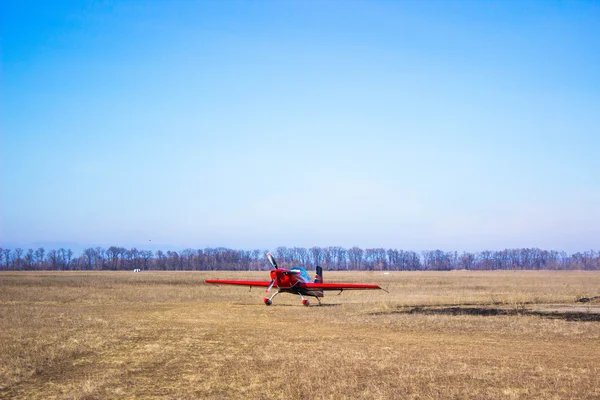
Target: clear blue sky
(460, 125)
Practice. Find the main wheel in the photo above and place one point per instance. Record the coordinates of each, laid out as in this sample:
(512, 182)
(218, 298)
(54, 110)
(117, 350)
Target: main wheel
(268, 301)
(305, 302)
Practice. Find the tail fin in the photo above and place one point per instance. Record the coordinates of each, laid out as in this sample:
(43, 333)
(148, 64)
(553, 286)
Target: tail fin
(319, 275)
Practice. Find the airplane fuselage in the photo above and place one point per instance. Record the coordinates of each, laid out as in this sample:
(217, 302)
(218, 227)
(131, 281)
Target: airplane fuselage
(292, 281)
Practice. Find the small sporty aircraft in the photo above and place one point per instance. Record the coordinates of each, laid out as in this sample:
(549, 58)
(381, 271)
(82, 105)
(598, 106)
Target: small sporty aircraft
(296, 281)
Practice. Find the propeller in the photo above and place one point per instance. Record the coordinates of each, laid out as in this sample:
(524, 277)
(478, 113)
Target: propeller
(272, 260)
(270, 285)
(274, 264)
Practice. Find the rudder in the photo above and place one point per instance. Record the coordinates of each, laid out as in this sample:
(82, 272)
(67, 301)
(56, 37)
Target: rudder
(319, 275)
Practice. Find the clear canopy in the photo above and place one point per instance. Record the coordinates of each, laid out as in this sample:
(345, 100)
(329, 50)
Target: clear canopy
(303, 273)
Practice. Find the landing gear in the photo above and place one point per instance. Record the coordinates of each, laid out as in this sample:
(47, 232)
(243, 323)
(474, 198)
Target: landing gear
(305, 302)
(269, 300)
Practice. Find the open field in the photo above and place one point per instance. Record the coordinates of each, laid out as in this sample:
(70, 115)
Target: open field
(97, 335)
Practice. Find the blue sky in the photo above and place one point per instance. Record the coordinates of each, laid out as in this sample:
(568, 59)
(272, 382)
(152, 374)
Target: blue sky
(461, 125)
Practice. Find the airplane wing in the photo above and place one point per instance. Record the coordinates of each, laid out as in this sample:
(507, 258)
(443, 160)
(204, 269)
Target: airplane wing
(241, 283)
(339, 286)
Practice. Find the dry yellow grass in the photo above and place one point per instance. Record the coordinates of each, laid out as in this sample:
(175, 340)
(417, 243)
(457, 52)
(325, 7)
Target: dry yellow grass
(476, 335)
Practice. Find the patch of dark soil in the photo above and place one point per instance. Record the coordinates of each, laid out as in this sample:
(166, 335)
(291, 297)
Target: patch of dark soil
(568, 316)
(492, 311)
(486, 312)
(588, 299)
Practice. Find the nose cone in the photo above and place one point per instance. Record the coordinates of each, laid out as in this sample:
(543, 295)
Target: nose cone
(273, 274)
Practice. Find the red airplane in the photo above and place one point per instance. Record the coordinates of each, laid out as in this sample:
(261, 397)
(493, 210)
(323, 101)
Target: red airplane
(295, 281)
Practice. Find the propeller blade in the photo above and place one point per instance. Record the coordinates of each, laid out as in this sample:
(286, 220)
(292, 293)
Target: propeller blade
(270, 286)
(272, 260)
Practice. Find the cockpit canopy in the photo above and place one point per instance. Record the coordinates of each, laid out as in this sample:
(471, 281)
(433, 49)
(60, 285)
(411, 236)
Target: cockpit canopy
(302, 272)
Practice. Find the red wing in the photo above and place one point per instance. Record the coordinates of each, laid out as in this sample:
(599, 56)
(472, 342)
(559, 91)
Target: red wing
(242, 283)
(339, 286)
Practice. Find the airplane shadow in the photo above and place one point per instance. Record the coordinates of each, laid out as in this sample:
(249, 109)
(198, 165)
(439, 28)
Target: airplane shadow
(286, 305)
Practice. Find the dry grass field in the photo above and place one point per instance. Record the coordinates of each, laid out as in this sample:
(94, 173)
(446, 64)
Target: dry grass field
(466, 335)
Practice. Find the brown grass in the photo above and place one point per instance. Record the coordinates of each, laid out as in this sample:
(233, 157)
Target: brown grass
(476, 335)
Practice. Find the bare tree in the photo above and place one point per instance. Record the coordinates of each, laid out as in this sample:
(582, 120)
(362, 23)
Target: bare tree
(146, 256)
(40, 259)
(355, 258)
(115, 256)
(18, 260)
(187, 258)
(88, 257)
(317, 255)
(54, 259)
(161, 260)
(6, 254)
(29, 259)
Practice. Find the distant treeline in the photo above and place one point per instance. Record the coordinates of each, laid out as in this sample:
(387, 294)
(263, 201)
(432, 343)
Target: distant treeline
(331, 258)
